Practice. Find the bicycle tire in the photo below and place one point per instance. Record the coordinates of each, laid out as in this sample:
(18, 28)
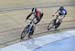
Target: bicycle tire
(50, 25)
(24, 32)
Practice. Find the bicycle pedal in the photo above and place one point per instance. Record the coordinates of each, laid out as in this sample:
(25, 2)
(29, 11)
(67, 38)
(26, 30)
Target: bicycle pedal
(48, 29)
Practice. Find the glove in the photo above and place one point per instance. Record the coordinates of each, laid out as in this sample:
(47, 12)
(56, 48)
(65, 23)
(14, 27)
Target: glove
(53, 15)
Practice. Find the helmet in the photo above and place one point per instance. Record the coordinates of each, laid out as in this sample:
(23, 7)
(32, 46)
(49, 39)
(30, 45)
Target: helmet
(61, 8)
(33, 10)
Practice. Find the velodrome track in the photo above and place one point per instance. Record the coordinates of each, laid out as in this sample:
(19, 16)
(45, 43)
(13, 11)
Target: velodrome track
(61, 41)
(12, 18)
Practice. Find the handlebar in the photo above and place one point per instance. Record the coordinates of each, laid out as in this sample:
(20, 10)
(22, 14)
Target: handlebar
(31, 20)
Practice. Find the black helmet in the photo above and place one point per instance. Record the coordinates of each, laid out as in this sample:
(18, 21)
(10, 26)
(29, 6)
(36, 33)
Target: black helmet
(61, 8)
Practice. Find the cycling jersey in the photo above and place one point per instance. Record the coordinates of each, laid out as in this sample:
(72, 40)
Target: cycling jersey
(62, 12)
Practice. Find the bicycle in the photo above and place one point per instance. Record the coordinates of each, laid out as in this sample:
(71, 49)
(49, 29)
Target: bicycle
(55, 23)
(28, 30)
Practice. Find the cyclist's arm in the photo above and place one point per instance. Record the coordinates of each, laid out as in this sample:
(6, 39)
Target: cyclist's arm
(29, 15)
(55, 13)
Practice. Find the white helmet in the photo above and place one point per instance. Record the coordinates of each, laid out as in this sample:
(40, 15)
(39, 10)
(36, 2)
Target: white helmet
(36, 9)
(33, 10)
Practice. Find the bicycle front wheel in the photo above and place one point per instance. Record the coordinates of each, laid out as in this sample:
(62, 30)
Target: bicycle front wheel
(24, 32)
(50, 26)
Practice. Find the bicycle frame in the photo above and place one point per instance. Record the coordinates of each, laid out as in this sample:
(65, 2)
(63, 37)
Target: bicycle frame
(30, 25)
(28, 29)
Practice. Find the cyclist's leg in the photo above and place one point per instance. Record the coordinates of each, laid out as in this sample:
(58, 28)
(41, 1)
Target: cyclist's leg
(57, 25)
(59, 21)
(39, 18)
(31, 32)
(61, 18)
(58, 17)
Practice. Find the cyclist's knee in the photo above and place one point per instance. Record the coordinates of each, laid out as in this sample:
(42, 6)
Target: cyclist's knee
(37, 21)
(31, 33)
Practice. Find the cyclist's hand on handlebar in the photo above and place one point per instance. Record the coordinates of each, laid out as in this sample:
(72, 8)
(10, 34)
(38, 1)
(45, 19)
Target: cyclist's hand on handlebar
(26, 20)
(53, 15)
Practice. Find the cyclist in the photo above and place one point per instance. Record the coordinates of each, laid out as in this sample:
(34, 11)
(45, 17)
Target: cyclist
(38, 14)
(60, 14)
